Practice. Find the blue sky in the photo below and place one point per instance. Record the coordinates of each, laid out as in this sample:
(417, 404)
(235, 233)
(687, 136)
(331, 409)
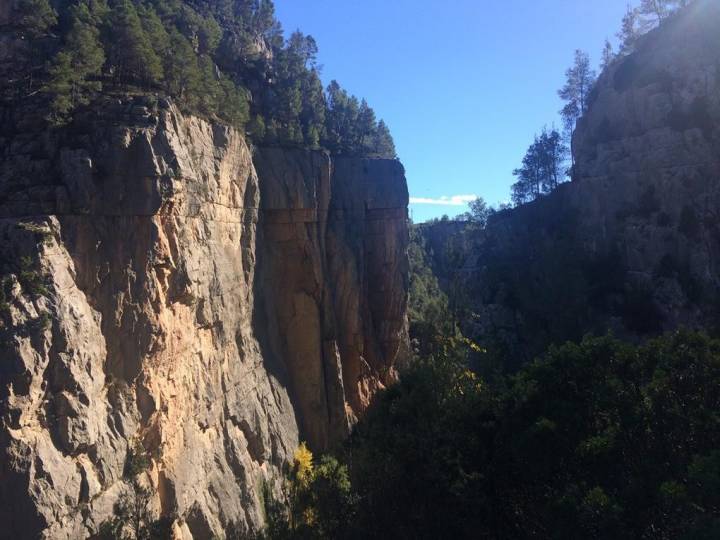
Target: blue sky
(463, 84)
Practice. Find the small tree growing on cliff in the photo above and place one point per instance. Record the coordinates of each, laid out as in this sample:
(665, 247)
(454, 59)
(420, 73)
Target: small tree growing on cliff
(608, 55)
(629, 32)
(656, 10)
(580, 79)
(542, 167)
(134, 518)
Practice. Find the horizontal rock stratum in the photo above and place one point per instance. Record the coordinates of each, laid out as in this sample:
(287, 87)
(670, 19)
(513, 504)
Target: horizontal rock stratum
(171, 287)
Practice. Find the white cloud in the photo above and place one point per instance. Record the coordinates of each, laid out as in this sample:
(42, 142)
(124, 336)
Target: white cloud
(452, 200)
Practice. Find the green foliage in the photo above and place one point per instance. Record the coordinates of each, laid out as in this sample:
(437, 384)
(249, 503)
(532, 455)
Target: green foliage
(599, 439)
(137, 460)
(480, 212)
(629, 31)
(181, 69)
(319, 502)
(580, 79)
(31, 279)
(132, 55)
(351, 126)
(428, 309)
(382, 142)
(542, 167)
(413, 456)
(4, 305)
(133, 518)
(35, 17)
(221, 59)
(74, 70)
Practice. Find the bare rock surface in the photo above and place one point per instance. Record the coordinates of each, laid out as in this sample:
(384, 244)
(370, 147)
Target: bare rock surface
(163, 286)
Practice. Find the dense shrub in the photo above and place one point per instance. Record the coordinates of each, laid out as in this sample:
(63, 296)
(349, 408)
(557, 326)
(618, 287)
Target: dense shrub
(598, 439)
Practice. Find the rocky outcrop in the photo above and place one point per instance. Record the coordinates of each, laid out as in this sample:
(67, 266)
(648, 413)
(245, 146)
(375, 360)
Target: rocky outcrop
(633, 243)
(163, 286)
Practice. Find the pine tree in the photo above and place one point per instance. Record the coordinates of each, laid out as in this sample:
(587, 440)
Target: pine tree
(155, 31)
(182, 75)
(256, 128)
(131, 53)
(209, 35)
(608, 55)
(296, 99)
(337, 100)
(35, 17)
(234, 105)
(73, 75)
(60, 87)
(384, 145)
(552, 153)
(580, 79)
(34, 20)
(629, 33)
(366, 128)
(312, 116)
(542, 167)
(655, 10)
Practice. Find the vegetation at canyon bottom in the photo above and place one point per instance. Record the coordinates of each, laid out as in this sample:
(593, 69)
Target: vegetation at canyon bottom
(222, 59)
(594, 439)
(599, 439)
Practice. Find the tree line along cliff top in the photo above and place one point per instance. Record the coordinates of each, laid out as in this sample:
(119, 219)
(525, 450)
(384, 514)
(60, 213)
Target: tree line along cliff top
(226, 60)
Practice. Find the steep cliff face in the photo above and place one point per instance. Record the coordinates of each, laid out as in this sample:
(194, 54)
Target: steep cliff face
(161, 288)
(334, 270)
(633, 244)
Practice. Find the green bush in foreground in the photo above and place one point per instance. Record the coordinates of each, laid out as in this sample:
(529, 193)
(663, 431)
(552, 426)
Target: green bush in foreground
(599, 439)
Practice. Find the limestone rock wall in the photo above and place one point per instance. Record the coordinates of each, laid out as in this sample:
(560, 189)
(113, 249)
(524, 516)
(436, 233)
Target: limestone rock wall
(334, 274)
(160, 288)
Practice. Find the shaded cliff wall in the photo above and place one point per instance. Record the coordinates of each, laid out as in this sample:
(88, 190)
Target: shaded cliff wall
(135, 307)
(633, 244)
(334, 276)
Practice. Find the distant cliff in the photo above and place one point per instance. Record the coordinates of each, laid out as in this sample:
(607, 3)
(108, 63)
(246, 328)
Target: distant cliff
(165, 285)
(633, 244)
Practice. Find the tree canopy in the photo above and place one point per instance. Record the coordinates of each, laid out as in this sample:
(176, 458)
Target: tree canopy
(598, 439)
(543, 167)
(223, 59)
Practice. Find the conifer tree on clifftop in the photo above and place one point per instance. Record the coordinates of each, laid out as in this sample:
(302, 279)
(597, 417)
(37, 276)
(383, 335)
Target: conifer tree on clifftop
(580, 79)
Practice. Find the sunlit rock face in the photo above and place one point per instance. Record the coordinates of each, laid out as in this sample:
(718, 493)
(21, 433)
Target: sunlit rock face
(632, 245)
(214, 305)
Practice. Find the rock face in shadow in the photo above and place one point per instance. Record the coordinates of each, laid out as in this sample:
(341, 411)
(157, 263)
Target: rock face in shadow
(633, 243)
(334, 239)
(159, 288)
